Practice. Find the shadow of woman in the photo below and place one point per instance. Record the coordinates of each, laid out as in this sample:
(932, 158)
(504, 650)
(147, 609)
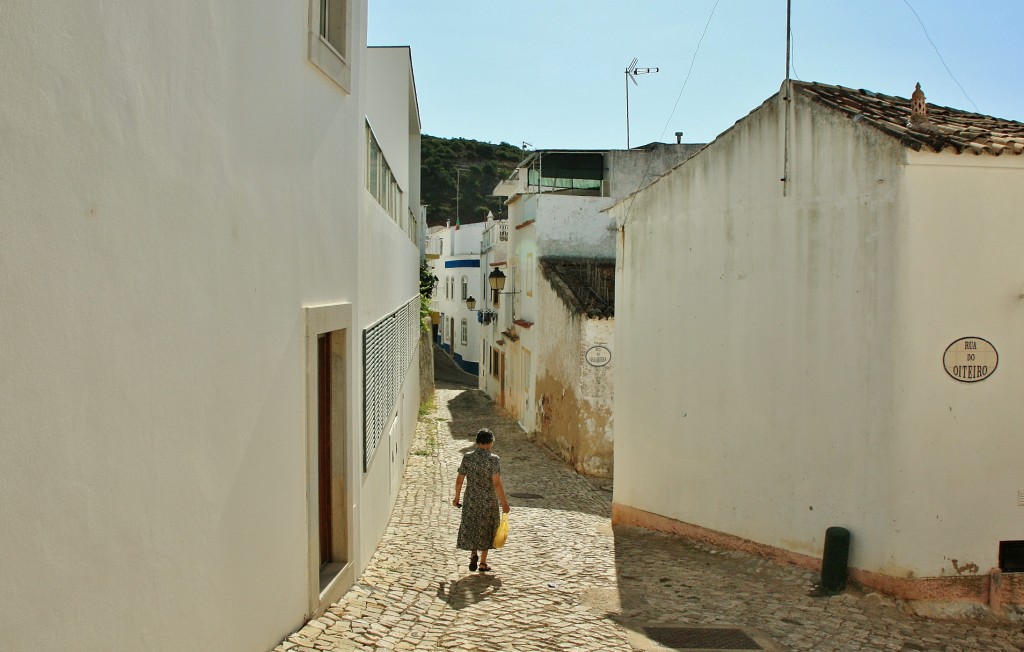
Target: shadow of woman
(469, 590)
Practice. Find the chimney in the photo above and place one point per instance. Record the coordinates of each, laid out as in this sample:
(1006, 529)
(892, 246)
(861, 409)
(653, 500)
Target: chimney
(679, 138)
(918, 108)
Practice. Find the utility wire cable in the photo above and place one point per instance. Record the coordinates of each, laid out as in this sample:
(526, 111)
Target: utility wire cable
(934, 47)
(650, 161)
(690, 70)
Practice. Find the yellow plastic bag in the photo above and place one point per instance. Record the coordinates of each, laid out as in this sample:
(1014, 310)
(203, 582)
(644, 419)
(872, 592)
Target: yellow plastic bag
(502, 533)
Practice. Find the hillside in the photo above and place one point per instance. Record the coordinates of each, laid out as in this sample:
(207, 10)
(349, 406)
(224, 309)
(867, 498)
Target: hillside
(484, 166)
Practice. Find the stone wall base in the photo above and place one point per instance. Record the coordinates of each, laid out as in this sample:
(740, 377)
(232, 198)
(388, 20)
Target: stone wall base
(996, 590)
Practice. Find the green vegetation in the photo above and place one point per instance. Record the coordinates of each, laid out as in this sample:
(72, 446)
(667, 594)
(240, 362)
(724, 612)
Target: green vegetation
(484, 165)
(430, 446)
(427, 284)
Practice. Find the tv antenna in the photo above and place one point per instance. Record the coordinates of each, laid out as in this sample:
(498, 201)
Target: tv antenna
(631, 72)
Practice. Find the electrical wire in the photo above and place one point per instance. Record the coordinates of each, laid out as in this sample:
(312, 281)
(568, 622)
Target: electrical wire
(690, 70)
(934, 47)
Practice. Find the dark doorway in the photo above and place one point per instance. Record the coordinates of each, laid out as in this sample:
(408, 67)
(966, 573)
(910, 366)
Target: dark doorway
(323, 344)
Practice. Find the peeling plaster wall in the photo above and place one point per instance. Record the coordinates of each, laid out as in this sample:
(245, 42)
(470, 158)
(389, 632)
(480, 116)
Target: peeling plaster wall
(792, 379)
(574, 400)
(573, 226)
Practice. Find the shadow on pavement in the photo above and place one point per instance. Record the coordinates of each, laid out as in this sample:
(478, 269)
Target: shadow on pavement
(468, 590)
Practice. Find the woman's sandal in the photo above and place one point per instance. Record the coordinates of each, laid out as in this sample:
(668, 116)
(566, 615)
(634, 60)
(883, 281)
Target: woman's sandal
(472, 562)
(485, 568)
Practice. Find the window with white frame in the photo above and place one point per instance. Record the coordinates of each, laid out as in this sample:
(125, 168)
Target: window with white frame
(465, 331)
(330, 27)
(465, 288)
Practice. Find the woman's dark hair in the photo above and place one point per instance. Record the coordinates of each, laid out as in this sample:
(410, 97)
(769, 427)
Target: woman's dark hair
(484, 436)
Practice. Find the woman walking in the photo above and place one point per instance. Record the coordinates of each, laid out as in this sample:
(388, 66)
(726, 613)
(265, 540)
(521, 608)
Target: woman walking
(480, 515)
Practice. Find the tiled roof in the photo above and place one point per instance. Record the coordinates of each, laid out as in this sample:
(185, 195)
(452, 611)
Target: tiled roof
(587, 286)
(960, 131)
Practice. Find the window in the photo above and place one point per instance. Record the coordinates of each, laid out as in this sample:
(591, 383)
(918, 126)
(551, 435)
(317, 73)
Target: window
(465, 331)
(465, 288)
(329, 40)
(494, 362)
(379, 179)
(333, 24)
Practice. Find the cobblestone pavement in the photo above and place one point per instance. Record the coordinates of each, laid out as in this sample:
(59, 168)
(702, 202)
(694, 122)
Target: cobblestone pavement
(567, 581)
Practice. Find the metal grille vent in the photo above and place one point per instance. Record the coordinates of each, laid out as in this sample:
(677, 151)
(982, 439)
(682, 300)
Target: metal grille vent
(701, 638)
(388, 348)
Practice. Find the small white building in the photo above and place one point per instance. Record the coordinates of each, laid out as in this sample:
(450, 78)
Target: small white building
(838, 348)
(453, 253)
(209, 312)
(489, 304)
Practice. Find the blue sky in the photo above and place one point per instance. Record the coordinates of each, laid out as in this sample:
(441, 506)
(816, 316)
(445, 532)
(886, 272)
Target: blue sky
(551, 72)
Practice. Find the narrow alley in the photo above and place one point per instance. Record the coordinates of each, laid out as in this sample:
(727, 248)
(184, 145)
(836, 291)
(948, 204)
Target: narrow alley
(567, 580)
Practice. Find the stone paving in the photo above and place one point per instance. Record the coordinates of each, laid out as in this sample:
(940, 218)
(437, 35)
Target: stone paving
(566, 580)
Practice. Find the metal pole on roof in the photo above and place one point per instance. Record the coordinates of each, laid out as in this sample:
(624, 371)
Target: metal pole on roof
(788, 98)
(631, 72)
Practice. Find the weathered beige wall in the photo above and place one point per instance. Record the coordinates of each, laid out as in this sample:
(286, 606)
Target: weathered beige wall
(574, 400)
(780, 358)
(756, 336)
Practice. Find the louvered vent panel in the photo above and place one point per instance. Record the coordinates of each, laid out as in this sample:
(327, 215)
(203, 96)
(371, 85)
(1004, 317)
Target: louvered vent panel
(388, 349)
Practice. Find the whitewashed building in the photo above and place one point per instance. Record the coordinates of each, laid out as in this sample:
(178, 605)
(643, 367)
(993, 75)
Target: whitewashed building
(838, 348)
(453, 253)
(208, 311)
(488, 305)
(556, 202)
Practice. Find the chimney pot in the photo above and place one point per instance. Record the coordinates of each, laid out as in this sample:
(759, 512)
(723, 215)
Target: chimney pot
(918, 107)
(679, 138)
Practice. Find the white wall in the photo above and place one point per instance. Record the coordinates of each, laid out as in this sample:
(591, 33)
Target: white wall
(573, 226)
(956, 493)
(756, 342)
(179, 184)
(780, 358)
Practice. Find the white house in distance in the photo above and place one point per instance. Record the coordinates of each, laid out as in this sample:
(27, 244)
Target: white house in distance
(209, 310)
(454, 255)
(839, 348)
(488, 304)
(555, 205)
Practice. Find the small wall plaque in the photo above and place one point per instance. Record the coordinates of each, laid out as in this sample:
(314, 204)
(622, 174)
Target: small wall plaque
(970, 359)
(598, 356)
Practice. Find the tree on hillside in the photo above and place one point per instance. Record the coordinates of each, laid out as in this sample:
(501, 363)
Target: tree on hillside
(483, 166)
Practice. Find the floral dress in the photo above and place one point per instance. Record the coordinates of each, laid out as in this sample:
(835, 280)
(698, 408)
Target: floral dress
(480, 513)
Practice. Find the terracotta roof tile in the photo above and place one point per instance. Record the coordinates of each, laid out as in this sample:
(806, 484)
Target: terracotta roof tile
(946, 128)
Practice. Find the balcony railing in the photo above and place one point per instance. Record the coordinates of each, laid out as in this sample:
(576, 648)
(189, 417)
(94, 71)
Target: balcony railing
(495, 233)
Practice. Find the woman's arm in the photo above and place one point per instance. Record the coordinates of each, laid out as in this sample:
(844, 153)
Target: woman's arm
(498, 487)
(458, 489)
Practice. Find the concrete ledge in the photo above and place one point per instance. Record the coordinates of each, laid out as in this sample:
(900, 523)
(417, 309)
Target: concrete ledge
(994, 589)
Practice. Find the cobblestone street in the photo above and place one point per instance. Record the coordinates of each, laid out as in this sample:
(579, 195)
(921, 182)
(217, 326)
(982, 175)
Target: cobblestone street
(567, 581)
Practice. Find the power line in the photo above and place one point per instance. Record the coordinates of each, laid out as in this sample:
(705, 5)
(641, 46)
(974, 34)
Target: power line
(690, 70)
(950, 72)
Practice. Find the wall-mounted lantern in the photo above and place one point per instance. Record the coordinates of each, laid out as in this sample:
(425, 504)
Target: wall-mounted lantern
(483, 316)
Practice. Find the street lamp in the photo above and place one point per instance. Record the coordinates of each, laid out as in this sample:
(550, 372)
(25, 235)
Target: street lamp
(485, 315)
(496, 279)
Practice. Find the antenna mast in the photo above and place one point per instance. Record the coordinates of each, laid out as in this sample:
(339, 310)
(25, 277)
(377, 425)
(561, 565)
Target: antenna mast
(631, 72)
(788, 99)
